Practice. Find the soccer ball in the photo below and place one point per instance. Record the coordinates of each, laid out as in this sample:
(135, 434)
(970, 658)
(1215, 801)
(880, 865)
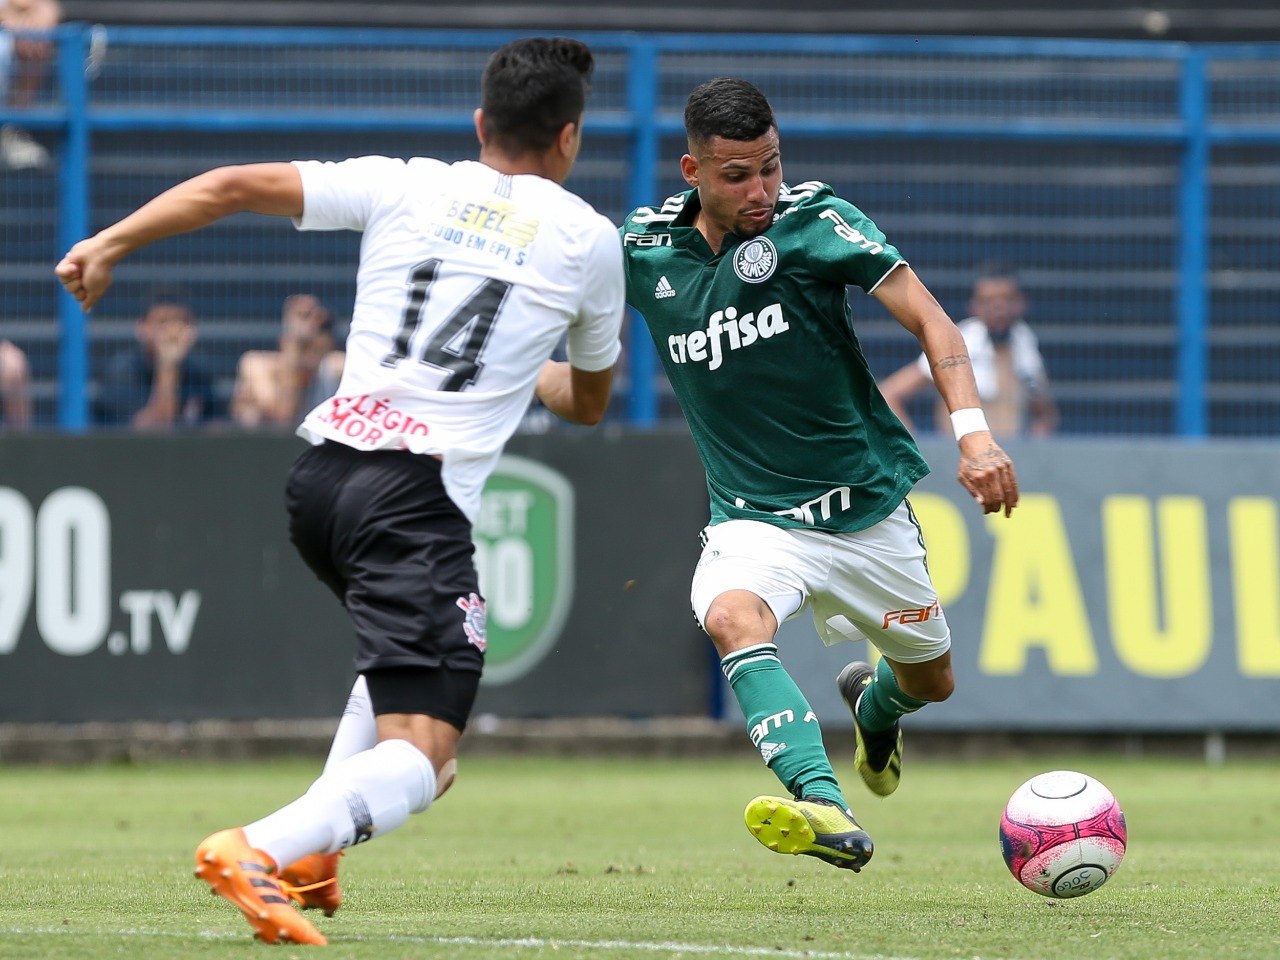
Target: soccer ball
(1062, 834)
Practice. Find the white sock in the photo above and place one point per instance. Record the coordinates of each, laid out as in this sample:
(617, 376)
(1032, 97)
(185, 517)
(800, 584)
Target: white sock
(362, 797)
(357, 730)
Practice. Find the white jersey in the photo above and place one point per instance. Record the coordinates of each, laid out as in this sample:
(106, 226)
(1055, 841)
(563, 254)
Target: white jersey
(468, 280)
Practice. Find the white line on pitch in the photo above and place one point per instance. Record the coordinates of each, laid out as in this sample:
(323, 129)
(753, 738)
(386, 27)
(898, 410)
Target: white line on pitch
(536, 943)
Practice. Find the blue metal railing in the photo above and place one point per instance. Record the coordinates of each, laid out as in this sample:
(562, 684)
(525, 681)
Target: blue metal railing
(643, 117)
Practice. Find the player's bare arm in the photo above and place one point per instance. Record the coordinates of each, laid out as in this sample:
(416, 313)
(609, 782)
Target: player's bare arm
(270, 188)
(951, 360)
(986, 471)
(912, 305)
(578, 396)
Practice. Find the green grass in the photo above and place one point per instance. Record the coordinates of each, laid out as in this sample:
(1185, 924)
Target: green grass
(606, 860)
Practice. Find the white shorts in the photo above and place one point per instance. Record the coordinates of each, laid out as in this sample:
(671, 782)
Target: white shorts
(869, 585)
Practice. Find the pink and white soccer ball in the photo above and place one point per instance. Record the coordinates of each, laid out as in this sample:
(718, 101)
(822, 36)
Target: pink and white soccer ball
(1063, 834)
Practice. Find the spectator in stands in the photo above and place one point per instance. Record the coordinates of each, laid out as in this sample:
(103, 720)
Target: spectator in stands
(15, 387)
(158, 384)
(276, 388)
(1012, 382)
(24, 61)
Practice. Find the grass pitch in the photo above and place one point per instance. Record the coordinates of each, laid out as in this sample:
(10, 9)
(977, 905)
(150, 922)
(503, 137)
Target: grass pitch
(616, 860)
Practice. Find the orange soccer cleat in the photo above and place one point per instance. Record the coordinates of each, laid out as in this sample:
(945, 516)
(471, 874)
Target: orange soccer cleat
(245, 876)
(313, 882)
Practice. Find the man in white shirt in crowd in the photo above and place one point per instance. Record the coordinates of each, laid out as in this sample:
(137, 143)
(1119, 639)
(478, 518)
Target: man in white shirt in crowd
(1012, 382)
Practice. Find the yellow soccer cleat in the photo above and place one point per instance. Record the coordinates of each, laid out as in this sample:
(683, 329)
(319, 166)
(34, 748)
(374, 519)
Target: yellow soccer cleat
(813, 827)
(878, 754)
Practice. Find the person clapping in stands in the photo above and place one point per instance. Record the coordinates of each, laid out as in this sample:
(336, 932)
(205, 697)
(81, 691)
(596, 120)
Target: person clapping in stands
(275, 388)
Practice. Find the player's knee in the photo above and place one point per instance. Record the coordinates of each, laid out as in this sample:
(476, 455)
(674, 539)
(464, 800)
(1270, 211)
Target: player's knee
(729, 630)
(931, 685)
(943, 687)
(720, 623)
(738, 619)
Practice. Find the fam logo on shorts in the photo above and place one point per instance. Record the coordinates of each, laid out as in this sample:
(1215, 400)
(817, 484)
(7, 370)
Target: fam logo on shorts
(473, 618)
(523, 537)
(755, 260)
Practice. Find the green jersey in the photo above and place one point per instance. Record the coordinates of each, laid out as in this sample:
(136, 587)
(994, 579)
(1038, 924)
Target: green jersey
(758, 344)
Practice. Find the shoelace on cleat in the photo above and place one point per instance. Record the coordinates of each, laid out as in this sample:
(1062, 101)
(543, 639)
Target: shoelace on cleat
(295, 892)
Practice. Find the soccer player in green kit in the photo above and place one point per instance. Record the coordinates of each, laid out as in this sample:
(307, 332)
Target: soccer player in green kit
(742, 281)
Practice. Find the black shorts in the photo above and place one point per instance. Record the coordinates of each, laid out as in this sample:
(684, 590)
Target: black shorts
(379, 529)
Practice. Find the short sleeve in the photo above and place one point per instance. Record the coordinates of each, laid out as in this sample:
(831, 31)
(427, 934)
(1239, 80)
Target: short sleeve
(343, 195)
(593, 342)
(844, 244)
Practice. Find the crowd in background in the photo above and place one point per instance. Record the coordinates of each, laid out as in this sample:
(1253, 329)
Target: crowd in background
(165, 381)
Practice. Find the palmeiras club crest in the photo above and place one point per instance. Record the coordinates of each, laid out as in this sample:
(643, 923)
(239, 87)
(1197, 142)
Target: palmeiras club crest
(755, 260)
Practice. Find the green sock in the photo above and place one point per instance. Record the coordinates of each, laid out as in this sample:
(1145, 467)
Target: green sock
(883, 702)
(781, 723)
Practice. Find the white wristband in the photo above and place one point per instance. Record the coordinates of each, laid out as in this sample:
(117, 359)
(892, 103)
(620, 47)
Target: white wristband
(969, 420)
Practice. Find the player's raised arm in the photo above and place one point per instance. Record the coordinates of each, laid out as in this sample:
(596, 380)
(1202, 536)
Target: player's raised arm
(985, 470)
(270, 188)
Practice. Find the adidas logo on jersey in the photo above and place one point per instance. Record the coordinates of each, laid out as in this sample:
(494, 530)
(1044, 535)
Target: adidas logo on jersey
(664, 289)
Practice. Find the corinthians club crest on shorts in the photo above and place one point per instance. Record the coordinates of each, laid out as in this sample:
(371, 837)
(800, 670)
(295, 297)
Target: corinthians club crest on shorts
(754, 260)
(473, 620)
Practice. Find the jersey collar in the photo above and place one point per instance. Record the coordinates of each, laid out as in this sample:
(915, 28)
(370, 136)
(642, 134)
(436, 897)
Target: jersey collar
(684, 221)
(689, 211)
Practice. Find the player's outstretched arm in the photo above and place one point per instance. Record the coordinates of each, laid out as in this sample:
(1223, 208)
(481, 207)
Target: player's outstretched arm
(271, 188)
(985, 470)
(578, 396)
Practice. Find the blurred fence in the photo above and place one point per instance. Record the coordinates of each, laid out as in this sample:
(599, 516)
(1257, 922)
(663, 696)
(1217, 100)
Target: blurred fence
(1135, 187)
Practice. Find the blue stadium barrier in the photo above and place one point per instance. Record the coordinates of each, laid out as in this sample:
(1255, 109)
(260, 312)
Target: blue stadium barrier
(1134, 185)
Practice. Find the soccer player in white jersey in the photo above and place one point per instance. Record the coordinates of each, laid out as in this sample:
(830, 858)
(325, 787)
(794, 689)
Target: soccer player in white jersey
(743, 282)
(470, 274)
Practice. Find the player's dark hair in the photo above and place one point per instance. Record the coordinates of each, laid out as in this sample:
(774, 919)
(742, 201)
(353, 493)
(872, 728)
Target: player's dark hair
(728, 108)
(530, 89)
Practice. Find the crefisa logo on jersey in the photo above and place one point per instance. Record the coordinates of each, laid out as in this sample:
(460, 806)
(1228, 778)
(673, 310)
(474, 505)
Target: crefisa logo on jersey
(755, 260)
(523, 537)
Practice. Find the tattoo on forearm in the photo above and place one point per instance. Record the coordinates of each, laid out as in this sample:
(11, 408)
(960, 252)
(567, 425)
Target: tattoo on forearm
(955, 360)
